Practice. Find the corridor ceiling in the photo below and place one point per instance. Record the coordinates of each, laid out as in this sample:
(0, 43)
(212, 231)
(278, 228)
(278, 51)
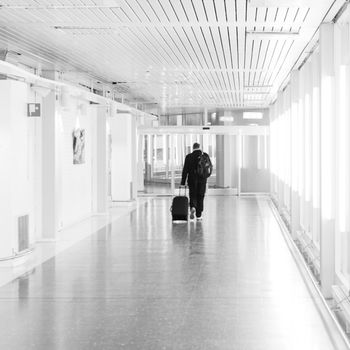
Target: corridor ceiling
(173, 53)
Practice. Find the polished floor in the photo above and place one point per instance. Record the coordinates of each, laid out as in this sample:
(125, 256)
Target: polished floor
(142, 282)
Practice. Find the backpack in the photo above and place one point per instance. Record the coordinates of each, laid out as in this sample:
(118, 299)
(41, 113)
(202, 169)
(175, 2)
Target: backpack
(204, 166)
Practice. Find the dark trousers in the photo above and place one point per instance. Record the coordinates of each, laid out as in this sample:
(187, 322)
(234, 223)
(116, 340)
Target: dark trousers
(197, 192)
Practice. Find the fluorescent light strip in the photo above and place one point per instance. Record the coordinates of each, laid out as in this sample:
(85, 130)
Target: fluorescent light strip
(261, 32)
(56, 7)
(258, 86)
(273, 35)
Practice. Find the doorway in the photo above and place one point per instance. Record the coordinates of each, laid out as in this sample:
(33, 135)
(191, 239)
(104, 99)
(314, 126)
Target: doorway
(239, 157)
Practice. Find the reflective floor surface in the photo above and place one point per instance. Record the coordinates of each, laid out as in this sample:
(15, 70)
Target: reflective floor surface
(142, 282)
(44, 250)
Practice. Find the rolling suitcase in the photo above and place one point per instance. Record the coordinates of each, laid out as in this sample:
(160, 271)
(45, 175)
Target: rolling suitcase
(179, 208)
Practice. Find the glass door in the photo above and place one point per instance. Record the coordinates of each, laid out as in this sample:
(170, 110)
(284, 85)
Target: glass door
(255, 175)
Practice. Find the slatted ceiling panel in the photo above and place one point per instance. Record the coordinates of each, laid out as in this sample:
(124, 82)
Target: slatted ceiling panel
(208, 47)
(222, 87)
(131, 12)
(270, 73)
(217, 94)
(167, 10)
(15, 37)
(147, 52)
(208, 88)
(178, 9)
(271, 59)
(270, 18)
(188, 36)
(194, 50)
(195, 38)
(158, 44)
(147, 10)
(281, 14)
(200, 43)
(229, 9)
(290, 19)
(198, 10)
(283, 57)
(210, 11)
(216, 44)
(251, 15)
(256, 51)
(171, 51)
(104, 44)
(187, 45)
(250, 47)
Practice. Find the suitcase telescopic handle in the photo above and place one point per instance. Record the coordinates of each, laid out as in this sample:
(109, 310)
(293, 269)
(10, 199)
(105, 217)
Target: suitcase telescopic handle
(182, 186)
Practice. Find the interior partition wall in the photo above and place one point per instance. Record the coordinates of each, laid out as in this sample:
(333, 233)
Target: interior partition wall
(310, 156)
(239, 155)
(254, 173)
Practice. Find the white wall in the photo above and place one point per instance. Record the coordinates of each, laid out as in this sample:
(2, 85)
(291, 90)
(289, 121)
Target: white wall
(76, 180)
(17, 195)
(310, 132)
(36, 160)
(22, 159)
(124, 157)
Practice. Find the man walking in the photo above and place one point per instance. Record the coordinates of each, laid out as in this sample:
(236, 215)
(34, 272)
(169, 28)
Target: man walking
(196, 170)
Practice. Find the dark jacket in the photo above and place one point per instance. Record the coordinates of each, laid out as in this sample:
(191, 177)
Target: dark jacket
(189, 168)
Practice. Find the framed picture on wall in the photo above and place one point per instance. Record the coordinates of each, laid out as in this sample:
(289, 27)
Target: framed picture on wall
(78, 146)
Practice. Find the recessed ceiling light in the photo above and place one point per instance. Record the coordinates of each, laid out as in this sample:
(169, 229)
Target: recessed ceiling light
(272, 35)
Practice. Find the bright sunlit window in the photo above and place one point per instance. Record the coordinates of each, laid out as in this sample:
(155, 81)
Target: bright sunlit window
(252, 115)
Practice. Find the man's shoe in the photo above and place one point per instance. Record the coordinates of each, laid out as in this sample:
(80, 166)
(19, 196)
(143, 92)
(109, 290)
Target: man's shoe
(199, 218)
(193, 212)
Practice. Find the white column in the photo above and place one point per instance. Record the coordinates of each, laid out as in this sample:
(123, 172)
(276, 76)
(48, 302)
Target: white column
(100, 166)
(166, 152)
(308, 148)
(140, 163)
(179, 120)
(51, 167)
(316, 148)
(124, 158)
(280, 143)
(220, 161)
(153, 147)
(239, 157)
(205, 116)
(342, 147)
(149, 157)
(287, 146)
(295, 202)
(328, 157)
(301, 147)
(172, 162)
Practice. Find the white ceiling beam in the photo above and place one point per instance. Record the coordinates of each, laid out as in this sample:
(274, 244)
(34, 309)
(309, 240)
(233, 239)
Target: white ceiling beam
(222, 25)
(213, 129)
